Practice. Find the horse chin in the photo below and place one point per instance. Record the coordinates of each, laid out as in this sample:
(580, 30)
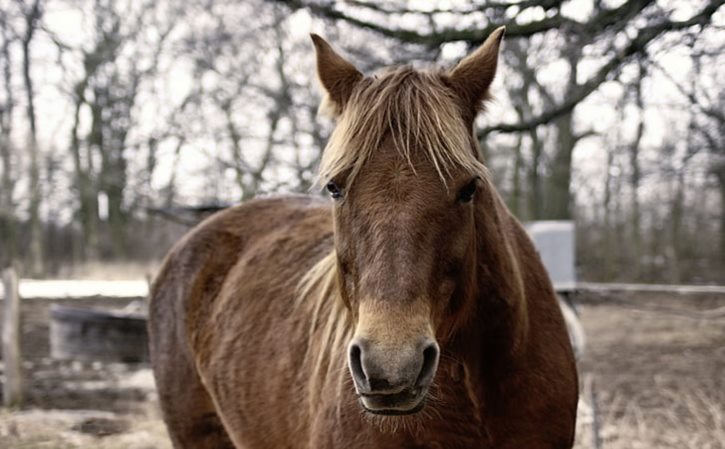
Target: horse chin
(400, 404)
(393, 420)
(395, 412)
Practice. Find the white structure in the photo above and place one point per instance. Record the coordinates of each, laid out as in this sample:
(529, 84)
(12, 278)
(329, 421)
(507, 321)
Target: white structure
(54, 289)
(555, 242)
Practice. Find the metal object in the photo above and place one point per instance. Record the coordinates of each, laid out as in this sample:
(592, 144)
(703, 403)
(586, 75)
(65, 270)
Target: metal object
(91, 334)
(555, 242)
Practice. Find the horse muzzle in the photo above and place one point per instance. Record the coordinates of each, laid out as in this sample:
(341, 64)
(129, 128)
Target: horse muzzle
(392, 381)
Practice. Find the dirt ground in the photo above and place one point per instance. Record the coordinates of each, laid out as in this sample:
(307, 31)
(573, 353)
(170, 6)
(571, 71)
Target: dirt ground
(654, 363)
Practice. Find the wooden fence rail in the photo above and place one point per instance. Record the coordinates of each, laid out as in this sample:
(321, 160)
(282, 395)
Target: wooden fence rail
(654, 288)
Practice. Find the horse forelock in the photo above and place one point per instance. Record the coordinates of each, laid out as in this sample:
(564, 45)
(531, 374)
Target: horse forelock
(419, 111)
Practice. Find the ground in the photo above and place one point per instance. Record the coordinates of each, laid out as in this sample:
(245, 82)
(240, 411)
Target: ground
(655, 361)
(72, 404)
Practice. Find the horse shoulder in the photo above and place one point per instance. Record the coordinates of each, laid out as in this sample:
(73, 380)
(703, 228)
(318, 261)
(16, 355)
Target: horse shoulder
(247, 263)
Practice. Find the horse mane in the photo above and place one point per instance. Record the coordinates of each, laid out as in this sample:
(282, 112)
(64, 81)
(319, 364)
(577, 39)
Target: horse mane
(419, 111)
(329, 329)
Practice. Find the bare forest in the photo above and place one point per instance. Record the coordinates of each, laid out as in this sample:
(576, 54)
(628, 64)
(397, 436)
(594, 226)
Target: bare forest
(123, 121)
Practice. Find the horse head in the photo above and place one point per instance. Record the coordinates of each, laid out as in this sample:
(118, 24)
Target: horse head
(403, 169)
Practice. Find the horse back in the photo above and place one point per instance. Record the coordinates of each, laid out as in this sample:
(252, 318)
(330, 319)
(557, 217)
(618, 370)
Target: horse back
(222, 294)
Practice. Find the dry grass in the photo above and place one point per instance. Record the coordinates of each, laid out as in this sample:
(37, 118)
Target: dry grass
(659, 374)
(691, 418)
(64, 429)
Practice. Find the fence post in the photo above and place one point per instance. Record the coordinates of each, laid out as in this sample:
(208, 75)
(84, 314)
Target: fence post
(12, 387)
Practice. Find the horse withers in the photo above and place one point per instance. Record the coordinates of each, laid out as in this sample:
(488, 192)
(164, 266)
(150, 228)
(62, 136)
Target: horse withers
(410, 310)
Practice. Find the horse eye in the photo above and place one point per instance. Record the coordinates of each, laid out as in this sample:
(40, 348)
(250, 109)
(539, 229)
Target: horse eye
(334, 190)
(466, 193)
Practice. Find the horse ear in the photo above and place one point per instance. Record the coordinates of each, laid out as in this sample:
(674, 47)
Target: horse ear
(337, 77)
(472, 77)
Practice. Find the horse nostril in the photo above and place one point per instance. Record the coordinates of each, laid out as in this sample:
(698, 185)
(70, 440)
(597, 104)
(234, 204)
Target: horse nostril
(430, 363)
(391, 372)
(355, 360)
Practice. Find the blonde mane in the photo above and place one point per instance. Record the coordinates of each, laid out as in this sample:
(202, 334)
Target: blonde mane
(330, 327)
(416, 108)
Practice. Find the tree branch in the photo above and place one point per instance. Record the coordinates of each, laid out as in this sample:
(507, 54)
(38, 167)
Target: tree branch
(393, 10)
(635, 46)
(601, 21)
(709, 111)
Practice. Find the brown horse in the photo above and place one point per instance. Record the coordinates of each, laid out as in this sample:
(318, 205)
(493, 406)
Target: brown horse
(412, 313)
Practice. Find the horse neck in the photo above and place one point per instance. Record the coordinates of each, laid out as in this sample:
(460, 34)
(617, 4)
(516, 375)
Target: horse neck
(496, 324)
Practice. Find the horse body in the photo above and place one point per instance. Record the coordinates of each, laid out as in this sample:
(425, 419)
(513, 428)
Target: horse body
(238, 272)
(411, 314)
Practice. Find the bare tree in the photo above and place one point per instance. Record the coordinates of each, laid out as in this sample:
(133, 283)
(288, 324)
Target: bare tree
(108, 89)
(232, 102)
(32, 13)
(263, 109)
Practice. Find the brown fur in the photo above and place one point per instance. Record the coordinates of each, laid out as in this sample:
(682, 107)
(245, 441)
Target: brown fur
(252, 312)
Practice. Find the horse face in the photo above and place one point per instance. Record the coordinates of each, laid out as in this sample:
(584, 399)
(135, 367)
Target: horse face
(404, 242)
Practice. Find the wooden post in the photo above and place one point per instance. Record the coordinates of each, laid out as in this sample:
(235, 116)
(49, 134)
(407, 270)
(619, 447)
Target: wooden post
(592, 397)
(12, 387)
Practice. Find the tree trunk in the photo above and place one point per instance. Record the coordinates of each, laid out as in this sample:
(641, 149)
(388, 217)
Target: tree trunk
(536, 196)
(559, 199)
(87, 199)
(7, 181)
(607, 232)
(114, 176)
(517, 200)
(169, 192)
(675, 237)
(35, 253)
(635, 178)
(258, 174)
(240, 167)
(720, 174)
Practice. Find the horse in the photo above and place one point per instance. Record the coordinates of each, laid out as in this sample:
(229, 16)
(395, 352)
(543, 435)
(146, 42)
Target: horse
(408, 310)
